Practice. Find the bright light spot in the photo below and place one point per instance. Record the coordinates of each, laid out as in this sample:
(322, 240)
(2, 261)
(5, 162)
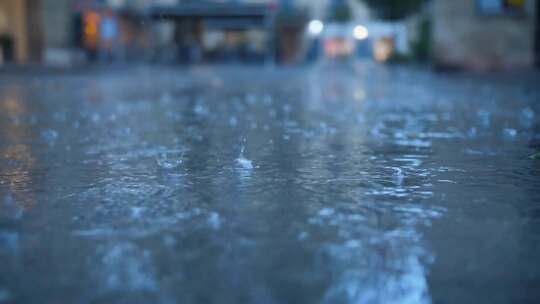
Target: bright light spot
(315, 27)
(360, 32)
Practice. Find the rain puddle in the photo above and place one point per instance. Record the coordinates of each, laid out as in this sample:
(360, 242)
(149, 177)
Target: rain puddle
(348, 186)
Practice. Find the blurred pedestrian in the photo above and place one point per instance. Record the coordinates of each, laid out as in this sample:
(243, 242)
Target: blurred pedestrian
(109, 30)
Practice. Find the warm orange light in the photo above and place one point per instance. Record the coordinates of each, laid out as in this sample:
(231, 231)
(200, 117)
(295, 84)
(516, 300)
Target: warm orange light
(91, 29)
(383, 49)
(338, 47)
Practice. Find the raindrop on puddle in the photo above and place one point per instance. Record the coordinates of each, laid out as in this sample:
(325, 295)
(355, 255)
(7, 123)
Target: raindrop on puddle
(242, 161)
(169, 160)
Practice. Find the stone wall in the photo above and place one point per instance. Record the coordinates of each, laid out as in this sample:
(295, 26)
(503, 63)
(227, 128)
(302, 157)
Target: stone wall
(462, 37)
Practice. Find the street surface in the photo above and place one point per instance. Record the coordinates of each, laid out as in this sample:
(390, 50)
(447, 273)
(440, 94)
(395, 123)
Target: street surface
(323, 184)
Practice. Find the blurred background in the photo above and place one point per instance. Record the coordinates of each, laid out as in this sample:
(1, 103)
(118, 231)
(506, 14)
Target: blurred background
(448, 34)
(196, 172)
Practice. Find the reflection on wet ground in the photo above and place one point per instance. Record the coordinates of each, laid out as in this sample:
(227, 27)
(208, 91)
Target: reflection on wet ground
(326, 184)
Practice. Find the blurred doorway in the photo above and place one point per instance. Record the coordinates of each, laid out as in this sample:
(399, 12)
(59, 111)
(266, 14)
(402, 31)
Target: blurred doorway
(6, 49)
(225, 31)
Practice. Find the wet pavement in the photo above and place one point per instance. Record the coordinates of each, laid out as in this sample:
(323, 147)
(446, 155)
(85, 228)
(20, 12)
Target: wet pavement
(323, 184)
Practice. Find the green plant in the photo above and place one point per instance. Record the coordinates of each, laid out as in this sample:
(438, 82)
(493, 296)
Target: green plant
(421, 49)
(394, 9)
(340, 11)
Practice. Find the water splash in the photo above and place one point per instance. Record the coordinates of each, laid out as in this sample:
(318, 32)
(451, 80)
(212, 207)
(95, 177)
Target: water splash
(509, 133)
(242, 161)
(170, 160)
(49, 136)
(125, 267)
(214, 221)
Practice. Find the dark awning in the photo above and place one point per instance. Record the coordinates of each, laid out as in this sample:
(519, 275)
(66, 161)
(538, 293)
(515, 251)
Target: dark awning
(211, 11)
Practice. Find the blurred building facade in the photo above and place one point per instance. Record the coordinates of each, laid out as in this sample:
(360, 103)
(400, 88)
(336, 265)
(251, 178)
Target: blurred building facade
(20, 33)
(284, 27)
(66, 32)
(63, 32)
(485, 34)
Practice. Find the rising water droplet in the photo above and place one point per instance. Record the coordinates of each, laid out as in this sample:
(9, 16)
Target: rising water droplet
(242, 161)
